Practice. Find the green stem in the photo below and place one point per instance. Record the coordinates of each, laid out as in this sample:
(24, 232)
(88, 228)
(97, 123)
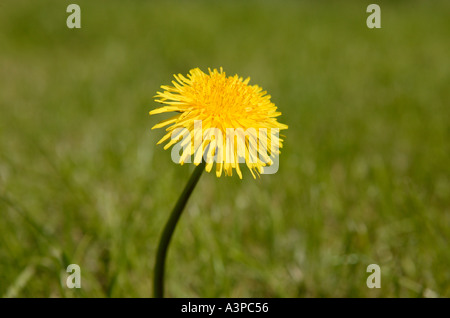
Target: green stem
(158, 282)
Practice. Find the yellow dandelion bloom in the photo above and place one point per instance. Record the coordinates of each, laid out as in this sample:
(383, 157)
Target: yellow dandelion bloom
(220, 119)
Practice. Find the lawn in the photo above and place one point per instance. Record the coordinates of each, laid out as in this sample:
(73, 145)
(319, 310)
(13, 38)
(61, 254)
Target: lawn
(364, 173)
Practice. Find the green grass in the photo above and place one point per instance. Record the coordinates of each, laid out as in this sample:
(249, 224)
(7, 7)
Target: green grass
(364, 173)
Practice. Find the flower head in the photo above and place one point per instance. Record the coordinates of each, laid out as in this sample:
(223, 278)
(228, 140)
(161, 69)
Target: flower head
(222, 119)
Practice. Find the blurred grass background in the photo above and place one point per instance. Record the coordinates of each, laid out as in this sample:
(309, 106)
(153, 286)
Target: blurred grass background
(364, 175)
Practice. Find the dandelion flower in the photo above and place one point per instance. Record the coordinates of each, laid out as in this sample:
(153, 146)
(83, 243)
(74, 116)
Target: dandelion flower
(238, 121)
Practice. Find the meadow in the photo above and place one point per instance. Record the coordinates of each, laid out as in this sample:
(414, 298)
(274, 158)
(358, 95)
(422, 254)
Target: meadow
(364, 173)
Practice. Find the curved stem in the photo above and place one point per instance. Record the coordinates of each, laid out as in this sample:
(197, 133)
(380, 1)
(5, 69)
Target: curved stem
(158, 282)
